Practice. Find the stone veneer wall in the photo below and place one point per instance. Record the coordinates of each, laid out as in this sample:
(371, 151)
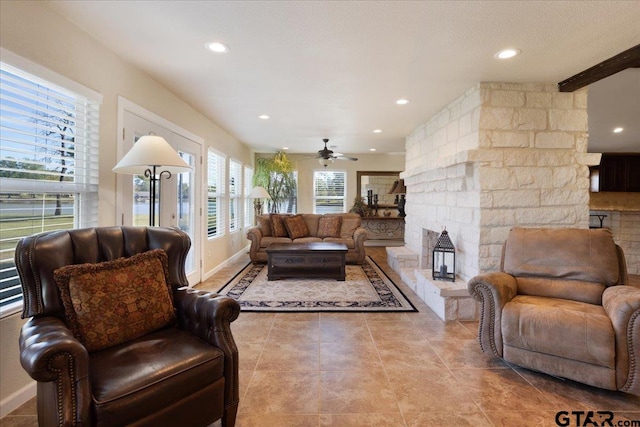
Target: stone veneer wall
(625, 227)
(501, 155)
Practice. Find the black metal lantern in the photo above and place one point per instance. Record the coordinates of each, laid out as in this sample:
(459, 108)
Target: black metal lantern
(444, 258)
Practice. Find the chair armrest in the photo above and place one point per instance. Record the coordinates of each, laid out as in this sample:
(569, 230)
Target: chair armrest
(493, 290)
(622, 305)
(208, 316)
(255, 235)
(51, 354)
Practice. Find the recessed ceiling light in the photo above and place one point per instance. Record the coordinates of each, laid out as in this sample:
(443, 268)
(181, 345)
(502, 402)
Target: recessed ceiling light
(285, 148)
(402, 101)
(507, 53)
(618, 130)
(217, 47)
(377, 131)
(263, 117)
(372, 149)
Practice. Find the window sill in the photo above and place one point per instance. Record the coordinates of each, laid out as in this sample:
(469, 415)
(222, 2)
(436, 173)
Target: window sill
(10, 309)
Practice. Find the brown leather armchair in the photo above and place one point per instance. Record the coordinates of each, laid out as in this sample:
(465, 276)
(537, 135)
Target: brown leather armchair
(186, 374)
(560, 306)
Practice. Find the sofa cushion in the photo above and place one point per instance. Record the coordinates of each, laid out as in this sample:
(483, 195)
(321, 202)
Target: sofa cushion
(265, 225)
(567, 329)
(329, 226)
(113, 302)
(278, 228)
(308, 240)
(123, 381)
(350, 243)
(266, 241)
(296, 227)
(312, 223)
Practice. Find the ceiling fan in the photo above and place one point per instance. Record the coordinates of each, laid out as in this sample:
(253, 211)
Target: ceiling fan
(326, 156)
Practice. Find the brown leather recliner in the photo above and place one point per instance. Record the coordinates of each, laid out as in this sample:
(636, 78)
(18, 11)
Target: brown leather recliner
(185, 374)
(560, 306)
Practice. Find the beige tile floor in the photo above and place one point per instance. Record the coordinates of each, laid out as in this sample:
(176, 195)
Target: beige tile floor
(385, 369)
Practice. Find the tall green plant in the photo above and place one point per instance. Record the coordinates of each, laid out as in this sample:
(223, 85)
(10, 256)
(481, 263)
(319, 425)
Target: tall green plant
(276, 175)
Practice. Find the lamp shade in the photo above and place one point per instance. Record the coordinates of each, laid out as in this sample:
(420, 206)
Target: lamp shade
(400, 188)
(325, 162)
(259, 193)
(393, 187)
(149, 151)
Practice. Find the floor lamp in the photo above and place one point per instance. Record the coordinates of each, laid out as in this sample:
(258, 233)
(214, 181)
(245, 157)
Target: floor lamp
(256, 194)
(152, 156)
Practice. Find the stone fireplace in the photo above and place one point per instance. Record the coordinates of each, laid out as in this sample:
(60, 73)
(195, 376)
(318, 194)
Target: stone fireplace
(499, 156)
(429, 240)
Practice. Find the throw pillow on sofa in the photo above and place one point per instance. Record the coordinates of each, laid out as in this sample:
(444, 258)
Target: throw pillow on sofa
(278, 228)
(296, 226)
(329, 226)
(113, 302)
(265, 226)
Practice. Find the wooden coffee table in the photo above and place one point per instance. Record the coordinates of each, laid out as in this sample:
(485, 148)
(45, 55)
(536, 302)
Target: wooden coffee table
(318, 260)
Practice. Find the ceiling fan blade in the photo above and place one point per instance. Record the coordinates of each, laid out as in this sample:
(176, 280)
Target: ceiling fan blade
(345, 158)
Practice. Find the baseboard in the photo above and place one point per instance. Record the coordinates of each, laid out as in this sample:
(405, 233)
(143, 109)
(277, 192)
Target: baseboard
(17, 399)
(226, 263)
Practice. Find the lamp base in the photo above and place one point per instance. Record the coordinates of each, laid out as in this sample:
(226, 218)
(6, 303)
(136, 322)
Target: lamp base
(401, 203)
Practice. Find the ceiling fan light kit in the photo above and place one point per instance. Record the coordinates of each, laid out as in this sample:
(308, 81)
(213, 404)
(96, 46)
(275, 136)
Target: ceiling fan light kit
(326, 157)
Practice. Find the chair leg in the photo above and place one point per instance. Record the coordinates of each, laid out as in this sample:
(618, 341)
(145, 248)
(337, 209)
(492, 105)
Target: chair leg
(229, 416)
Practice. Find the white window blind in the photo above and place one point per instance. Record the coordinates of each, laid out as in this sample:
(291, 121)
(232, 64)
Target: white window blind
(329, 191)
(215, 193)
(48, 165)
(248, 203)
(235, 194)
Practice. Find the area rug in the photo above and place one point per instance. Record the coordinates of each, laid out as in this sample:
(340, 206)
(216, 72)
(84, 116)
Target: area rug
(366, 288)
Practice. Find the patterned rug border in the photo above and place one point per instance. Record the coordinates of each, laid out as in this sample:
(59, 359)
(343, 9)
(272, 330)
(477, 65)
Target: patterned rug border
(379, 274)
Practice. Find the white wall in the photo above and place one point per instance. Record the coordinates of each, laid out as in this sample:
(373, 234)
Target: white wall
(35, 32)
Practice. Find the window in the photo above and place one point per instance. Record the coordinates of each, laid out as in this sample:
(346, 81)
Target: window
(248, 203)
(48, 165)
(215, 194)
(329, 191)
(235, 193)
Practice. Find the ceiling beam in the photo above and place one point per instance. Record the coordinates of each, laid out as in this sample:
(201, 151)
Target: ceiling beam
(630, 58)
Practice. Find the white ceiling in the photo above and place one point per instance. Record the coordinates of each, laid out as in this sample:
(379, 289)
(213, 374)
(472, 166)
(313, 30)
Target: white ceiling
(334, 69)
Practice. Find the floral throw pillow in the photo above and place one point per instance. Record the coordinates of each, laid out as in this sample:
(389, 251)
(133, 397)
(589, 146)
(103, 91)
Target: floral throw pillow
(113, 302)
(278, 228)
(296, 227)
(329, 226)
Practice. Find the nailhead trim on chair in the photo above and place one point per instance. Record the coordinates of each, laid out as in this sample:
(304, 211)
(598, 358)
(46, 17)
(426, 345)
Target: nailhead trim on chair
(59, 386)
(492, 313)
(632, 357)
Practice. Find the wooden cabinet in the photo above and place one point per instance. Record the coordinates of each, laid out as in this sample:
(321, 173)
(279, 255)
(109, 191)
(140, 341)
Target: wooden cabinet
(384, 229)
(620, 172)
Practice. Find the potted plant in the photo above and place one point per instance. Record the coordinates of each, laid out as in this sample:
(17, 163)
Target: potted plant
(276, 175)
(360, 207)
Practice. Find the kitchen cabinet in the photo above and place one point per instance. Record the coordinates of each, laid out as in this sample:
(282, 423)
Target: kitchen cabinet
(620, 172)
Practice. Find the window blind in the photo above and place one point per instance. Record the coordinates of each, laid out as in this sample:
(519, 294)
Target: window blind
(248, 203)
(329, 191)
(235, 192)
(215, 193)
(49, 158)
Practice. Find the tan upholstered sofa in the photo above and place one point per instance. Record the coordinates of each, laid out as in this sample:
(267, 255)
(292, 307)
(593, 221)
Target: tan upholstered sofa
(560, 305)
(338, 228)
